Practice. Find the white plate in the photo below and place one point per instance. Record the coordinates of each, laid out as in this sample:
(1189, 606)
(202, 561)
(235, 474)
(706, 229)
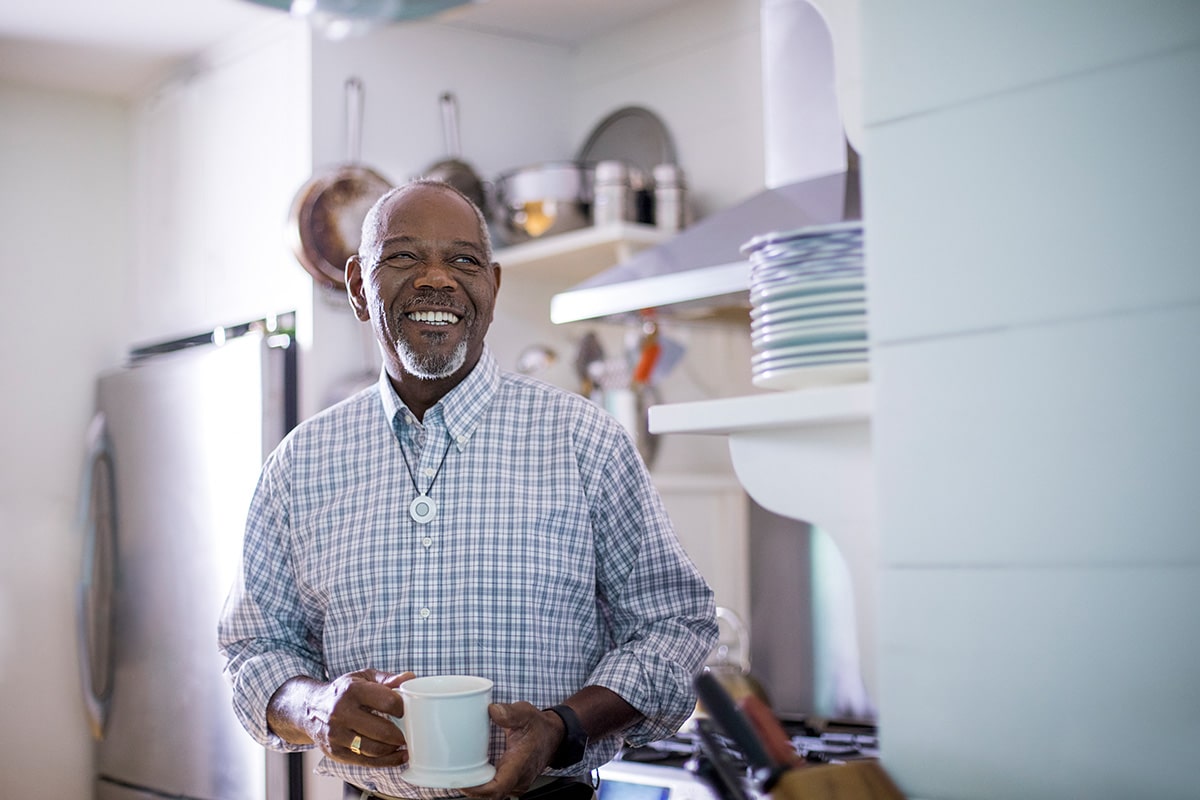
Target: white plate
(804, 318)
(844, 350)
(846, 324)
(785, 292)
(804, 299)
(817, 286)
(806, 362)
(449, 779)
(836, 234)
(778, 336)
(811, 306)
(805, 377)
(768, 271)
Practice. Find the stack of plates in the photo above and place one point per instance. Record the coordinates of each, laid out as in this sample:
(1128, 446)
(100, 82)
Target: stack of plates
(808, 318)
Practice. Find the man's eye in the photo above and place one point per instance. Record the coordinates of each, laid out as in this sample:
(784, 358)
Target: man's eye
(398, 259)
(467, 260)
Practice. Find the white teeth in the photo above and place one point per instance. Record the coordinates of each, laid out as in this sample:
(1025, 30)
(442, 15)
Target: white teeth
(434, 317)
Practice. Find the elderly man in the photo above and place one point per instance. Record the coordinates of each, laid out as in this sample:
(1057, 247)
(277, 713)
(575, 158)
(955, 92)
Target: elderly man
(457, 519)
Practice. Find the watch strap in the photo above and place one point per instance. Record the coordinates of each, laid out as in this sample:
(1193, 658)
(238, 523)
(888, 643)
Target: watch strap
(575, 739)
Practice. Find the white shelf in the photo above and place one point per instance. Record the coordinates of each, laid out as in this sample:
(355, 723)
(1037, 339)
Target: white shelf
(577, 255)
(728, 281)
(827, 405)
(805, 454)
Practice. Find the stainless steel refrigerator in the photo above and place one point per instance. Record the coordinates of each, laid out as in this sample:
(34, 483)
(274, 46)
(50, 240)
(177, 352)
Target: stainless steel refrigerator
(175, 448)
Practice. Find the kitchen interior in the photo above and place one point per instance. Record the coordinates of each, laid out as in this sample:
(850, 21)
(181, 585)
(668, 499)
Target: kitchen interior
(972, 540)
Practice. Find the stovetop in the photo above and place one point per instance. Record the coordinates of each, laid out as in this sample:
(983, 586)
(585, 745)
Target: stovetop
(700, 764)
(819, 741)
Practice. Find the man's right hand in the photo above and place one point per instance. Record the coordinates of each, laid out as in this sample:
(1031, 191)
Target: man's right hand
(350, 712)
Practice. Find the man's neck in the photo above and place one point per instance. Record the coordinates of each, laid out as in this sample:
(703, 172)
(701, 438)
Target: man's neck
(421, 394)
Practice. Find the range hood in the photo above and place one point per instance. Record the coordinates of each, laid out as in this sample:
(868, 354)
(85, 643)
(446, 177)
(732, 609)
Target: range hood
(811, 171)
(700, 273)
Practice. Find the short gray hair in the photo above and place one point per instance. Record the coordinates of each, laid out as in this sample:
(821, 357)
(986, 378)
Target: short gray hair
(373, 222)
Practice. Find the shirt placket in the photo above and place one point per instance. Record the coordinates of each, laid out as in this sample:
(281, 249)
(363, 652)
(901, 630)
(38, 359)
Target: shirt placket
(429, 440)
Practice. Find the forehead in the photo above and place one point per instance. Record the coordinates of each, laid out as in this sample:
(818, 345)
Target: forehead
(428, 213)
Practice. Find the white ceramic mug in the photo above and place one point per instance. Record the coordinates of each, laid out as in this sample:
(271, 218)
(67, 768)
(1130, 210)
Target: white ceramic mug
(446, 726)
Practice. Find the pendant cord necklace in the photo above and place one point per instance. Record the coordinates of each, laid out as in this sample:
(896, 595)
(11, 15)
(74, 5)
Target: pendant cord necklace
(422, 509)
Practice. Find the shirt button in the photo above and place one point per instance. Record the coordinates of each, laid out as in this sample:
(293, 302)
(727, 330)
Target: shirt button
(462, 439)
(425, 612)
(428, 472)
(427, 541)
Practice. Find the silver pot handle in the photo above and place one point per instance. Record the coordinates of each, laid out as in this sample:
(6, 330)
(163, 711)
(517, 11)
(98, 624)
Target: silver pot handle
(96, 592)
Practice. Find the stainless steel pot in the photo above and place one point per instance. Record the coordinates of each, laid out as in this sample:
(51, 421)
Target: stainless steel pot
(542, 200)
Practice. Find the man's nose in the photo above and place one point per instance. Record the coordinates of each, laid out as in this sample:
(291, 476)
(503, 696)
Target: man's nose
(435, 275)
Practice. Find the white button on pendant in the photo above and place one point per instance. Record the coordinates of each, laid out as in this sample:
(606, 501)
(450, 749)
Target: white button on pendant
(422, 509)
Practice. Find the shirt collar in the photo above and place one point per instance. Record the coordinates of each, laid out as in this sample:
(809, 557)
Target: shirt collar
(461, 409)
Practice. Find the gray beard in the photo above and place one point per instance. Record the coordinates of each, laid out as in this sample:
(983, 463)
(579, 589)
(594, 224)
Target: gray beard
(431, 368)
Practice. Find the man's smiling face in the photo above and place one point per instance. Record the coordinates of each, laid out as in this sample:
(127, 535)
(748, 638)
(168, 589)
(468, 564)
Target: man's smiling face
(426, 283)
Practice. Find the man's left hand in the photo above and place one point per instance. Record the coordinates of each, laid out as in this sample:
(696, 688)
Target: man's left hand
(531, 737)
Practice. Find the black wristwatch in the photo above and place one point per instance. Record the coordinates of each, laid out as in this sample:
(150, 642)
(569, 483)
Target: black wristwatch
(575, 740)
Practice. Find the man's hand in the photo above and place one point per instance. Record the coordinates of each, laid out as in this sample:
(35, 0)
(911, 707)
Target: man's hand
(350, 712)
(531, 737)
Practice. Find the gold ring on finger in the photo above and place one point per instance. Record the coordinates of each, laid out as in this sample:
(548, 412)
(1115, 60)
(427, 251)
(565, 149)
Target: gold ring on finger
(354, 745)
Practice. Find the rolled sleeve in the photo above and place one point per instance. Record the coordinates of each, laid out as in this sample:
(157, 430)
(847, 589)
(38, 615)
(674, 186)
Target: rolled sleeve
(262, 633)
(661, 609)
(255, 680)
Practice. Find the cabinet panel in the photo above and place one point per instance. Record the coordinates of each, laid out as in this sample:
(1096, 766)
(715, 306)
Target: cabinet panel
(996, 47)
(973, 666)
(1097, 458)
(1038, 205)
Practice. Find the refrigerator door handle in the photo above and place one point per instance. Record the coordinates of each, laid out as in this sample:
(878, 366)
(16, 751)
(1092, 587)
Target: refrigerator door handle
(96, 596)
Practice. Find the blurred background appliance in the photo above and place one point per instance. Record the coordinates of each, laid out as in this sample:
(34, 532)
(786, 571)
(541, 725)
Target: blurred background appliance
(175, 449)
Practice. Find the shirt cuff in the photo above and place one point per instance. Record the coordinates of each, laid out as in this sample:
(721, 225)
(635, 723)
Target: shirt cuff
(256, 682)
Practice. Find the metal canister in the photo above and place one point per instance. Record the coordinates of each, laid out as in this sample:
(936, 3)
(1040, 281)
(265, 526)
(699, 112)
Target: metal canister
(612, 200)
(670, 198)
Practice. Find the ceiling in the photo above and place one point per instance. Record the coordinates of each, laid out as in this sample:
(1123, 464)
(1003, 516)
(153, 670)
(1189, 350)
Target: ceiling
(122, 47)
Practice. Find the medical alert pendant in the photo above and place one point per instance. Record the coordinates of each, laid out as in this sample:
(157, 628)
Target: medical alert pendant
(422, 509)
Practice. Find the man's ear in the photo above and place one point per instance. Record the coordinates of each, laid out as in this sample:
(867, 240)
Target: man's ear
(354, 288)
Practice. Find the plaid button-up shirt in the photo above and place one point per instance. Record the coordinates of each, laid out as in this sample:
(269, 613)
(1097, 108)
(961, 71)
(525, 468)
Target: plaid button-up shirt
(550, 564)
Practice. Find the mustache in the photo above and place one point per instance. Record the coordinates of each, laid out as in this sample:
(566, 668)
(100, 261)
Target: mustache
(431, 298)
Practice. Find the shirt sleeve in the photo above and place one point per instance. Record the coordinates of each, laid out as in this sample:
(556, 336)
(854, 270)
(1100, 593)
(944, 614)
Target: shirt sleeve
(660, 609)
(262, 631)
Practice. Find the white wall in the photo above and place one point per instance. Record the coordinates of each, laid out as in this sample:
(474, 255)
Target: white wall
(220, 152)
(698, 66)
(1030, 174)
(65, 251)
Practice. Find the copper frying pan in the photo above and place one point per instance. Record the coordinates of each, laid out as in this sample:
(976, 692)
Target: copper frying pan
(325, 223)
